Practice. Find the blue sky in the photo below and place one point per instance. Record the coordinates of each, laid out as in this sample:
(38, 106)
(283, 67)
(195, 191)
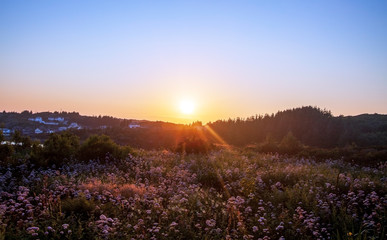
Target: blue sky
(138, 59)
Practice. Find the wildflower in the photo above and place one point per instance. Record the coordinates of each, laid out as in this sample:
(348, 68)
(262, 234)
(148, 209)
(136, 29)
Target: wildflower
(65, 226)
(349, 234)
(211, 222)
(255, 228)
(279, 227)
(33, 231)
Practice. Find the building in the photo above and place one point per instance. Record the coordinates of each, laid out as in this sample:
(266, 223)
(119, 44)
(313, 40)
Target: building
(62, 129)
(37, 119)
(58, 119)
(51, 123)
(6, 132)
(38, 131)
(74, 125)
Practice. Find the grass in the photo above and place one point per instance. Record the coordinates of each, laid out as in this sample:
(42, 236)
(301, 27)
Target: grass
(221, 195)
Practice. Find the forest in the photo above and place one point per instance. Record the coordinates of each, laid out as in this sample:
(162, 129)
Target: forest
(306, 131)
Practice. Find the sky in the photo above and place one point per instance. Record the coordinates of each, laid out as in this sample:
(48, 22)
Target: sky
(142, 59)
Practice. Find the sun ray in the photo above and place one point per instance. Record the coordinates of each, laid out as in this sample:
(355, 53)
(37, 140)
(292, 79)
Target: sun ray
(218, 138)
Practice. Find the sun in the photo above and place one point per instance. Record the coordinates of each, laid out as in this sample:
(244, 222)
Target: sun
(187, 107)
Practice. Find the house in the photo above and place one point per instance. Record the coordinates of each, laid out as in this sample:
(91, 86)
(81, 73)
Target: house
(62, 129)
(74, 125)
(6, 132)
(38, 131)
(51, 123)
(37, 119)
(58, 119)
(134, 125)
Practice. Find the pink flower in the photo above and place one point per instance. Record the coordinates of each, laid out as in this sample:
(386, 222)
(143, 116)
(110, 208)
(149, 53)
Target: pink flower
(211, 222)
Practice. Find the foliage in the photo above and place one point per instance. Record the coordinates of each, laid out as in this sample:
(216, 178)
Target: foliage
(79, 206)
(221, 195)
(57, 149)
(193, 145)
(290, 144)
(6, 152)
(100, 147)
(310, 125)
(270, 145)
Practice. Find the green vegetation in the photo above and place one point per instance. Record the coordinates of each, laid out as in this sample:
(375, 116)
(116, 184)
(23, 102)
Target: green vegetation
(310, 125)
(193, 145)
(223, 194)
(100, 147)
(59, 149)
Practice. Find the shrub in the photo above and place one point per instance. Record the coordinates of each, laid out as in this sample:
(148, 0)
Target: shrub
(57, 148)
(6, 152)
(100, 146)
(78, 206)
(290, 144)
(193, 145)
(270, 145)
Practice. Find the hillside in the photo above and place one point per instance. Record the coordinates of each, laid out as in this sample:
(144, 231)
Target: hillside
(309, 125)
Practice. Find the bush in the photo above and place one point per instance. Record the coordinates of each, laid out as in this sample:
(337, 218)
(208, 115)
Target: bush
(101, 146)
(6, 152)
(270, 145)
(78, 206)
(290, 144)
(57, 148)
(193, 145)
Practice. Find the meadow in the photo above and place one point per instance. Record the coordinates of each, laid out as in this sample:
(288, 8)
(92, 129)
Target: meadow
(225, 194)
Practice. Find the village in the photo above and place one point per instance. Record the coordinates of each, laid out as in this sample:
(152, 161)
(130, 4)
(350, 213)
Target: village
(38, 125)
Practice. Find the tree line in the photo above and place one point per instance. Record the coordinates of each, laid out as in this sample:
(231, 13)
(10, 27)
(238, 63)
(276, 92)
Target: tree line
(310, 125)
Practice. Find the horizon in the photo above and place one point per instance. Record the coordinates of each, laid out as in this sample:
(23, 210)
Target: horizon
(188, 123)
(191, 61)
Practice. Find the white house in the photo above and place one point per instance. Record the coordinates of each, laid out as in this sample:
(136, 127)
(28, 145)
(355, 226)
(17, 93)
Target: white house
(74, 125)
(62, 128)
(59, 119)
(37, 119)
(51, 123)
(6, 131)
(134, 125)
(38, 131)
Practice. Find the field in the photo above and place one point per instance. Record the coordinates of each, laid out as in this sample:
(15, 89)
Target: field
(222, 195)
